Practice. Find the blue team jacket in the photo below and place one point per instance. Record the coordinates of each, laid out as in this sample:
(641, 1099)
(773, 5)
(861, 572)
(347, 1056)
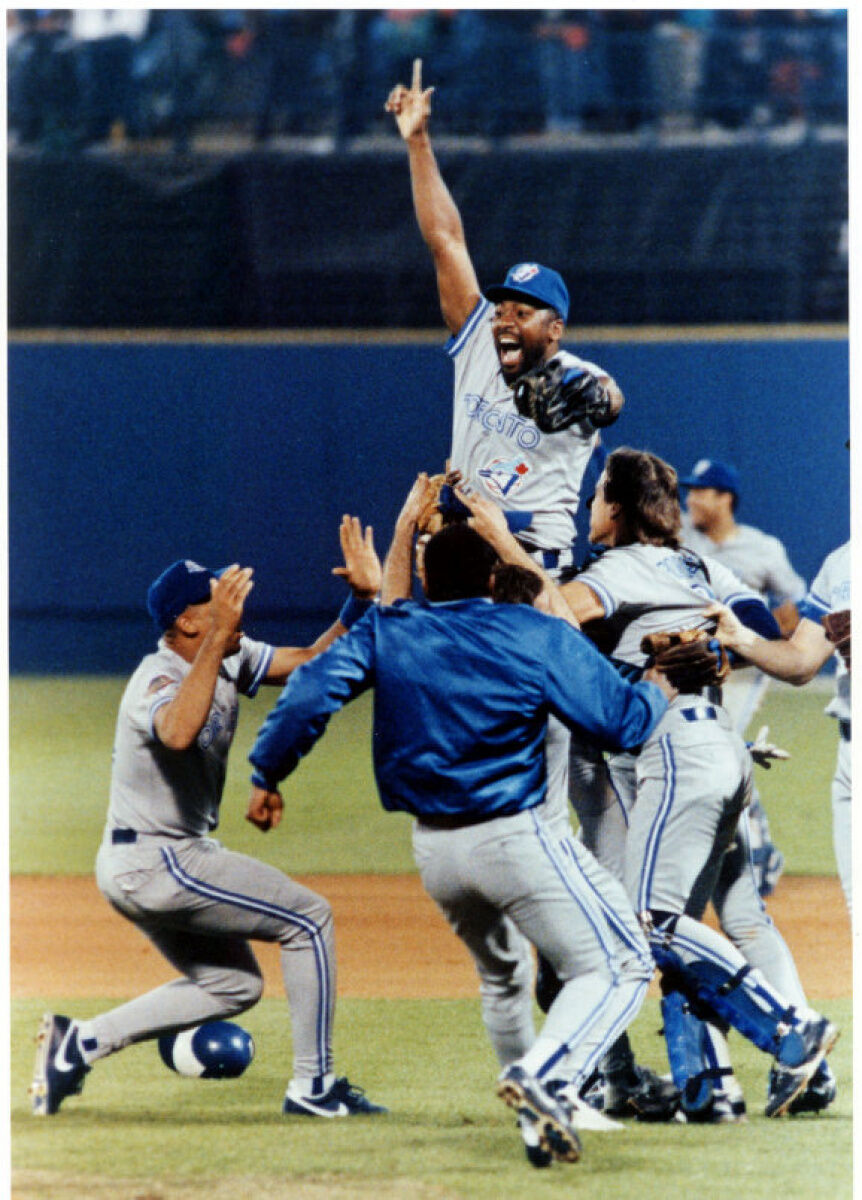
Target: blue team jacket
(462, 692)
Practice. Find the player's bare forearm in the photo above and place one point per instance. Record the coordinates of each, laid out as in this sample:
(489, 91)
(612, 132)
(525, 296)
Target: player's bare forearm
(796, 661)
(178, 723)
(398, 566)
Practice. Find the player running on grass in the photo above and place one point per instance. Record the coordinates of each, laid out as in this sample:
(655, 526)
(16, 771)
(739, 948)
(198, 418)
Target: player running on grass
(462, 691)
(197, 902)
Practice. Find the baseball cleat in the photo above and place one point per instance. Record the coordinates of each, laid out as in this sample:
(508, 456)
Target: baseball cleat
(802, 1051)
(60, 1068)
(537, 1155)
(556, 1134)
(817, 1096)
(342, 1100)
(721, 1110)
(644, 1094)
(582, 1115)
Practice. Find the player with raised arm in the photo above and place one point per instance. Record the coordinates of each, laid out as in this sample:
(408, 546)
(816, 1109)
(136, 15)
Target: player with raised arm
(526, 415)
(197, 902)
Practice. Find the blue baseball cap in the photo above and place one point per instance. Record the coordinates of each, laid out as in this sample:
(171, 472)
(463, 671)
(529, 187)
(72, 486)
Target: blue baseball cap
(710, 473)
(183, 583)
(531, 281)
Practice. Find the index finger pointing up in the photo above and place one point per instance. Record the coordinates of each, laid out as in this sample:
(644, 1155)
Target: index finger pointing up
(417, 75)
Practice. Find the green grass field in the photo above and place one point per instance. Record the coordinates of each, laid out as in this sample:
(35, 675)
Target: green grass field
(141, 1133)
(61, 731)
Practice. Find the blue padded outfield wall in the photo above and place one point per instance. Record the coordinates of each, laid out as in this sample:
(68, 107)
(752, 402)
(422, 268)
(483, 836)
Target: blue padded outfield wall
(126, 455)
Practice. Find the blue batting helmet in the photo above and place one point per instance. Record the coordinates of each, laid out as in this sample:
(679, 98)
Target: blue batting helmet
(217, 1050)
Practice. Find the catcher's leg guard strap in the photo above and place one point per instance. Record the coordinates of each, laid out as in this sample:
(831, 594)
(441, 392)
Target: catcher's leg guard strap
(742, 999)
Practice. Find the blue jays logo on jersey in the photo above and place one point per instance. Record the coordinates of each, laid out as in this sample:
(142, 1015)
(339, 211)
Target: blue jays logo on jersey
(503, 476)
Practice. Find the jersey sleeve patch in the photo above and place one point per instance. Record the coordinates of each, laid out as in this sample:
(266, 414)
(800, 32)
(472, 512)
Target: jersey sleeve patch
(158, 684)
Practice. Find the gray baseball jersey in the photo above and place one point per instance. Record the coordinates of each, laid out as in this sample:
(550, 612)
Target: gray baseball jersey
(198, 902)
(757, 558)
(156, 790)
(831, 592)
(504, 455)
(650, 589)
(678, 804)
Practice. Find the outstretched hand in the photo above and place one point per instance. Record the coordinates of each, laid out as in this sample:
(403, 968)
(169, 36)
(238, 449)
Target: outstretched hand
(411, 106)
(763, 751)
(361, 568)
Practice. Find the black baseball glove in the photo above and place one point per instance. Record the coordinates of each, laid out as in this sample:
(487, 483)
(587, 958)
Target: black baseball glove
(556, 396)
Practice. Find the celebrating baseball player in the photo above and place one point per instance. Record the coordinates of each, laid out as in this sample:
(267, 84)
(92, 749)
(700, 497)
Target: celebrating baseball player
(198, 903)
(823, 630)
(760, 561)
(526, 418)
(463, 689)
(526, 413)
(691, 782)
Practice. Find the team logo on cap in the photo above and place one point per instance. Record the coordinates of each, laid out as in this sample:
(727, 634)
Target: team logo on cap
(700, 468)
(504, 476)
(524, 271)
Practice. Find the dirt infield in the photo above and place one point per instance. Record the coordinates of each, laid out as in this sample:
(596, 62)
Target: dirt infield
(391, 940)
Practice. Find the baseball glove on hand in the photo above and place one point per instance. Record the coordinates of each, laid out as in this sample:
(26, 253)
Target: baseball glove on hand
(689, 658)
(555, 396)
(837, 626)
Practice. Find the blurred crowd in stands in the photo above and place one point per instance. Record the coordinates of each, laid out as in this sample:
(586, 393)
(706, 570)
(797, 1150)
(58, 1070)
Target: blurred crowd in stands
(83, 77)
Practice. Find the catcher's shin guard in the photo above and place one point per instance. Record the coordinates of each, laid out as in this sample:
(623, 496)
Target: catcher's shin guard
(742, 1000)
(697, 1053)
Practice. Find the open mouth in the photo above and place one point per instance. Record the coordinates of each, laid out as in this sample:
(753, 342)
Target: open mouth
(509, 353)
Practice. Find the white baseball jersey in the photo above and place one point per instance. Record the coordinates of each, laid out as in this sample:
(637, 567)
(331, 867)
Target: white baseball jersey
(649, 589)
(504, 455)
(177, 793)
(830, 592)
(757, 558)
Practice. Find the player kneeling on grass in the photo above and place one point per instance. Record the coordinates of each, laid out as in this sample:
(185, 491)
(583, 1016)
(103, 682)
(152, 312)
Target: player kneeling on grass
(463, 689)
(197, 902)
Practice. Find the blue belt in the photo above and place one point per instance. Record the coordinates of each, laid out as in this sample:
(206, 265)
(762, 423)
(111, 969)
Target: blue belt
(844, 730)
(703, 712)
(123, 837)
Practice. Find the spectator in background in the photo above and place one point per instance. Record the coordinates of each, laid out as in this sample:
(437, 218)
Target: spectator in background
(43, 87)
(573, 67)
(799, 75)
(627, 50)
(736, 69)
(106, 39)
(295, 54)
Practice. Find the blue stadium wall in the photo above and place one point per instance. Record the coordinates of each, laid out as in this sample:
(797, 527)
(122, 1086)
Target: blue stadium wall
(124, 455)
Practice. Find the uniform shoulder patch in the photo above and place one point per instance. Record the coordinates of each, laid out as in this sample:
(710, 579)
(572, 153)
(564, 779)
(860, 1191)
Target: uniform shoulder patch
(158, 683)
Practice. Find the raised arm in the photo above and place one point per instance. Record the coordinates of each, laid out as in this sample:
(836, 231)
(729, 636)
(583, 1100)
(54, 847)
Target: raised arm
(398, 567)
(362, 571)
(179, 722)
(490, 523)
(436, 211)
